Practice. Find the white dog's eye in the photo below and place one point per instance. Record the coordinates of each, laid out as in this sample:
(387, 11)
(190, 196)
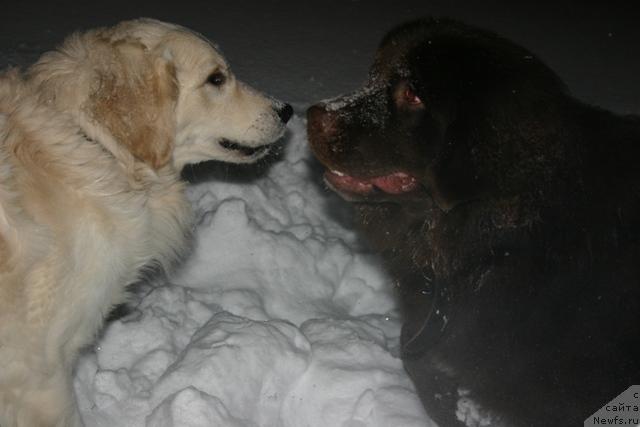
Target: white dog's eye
(216, 79)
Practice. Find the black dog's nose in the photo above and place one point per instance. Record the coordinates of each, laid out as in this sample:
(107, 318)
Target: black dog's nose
(285, 113)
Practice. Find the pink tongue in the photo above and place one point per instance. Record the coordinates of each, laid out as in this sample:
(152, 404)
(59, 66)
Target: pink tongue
(396, 183)
(348, 183)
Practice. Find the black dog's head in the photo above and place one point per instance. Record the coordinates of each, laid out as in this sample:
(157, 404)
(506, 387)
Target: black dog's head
(444, 114)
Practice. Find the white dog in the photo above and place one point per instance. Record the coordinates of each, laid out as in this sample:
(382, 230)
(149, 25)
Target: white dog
(92, 141)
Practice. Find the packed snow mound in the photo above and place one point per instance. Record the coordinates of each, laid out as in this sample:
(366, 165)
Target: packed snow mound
(279, 318)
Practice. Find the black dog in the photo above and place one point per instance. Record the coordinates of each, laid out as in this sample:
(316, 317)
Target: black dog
(508, 211)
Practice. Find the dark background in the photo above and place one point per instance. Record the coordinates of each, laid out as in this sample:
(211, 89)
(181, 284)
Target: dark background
(304, 51)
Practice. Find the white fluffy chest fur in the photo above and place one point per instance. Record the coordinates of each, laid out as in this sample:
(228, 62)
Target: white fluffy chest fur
(77, 226)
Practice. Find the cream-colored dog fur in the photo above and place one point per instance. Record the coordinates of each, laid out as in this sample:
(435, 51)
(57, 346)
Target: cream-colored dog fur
(92, 140)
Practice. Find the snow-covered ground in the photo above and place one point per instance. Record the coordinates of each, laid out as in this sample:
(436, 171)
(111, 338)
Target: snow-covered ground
(279, 317)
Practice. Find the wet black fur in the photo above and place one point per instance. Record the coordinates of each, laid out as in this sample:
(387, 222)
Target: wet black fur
(518, 263)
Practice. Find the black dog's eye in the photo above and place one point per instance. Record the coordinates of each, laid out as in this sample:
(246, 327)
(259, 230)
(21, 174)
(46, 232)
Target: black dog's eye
(407, 97)
(411, 97)
(216, 79)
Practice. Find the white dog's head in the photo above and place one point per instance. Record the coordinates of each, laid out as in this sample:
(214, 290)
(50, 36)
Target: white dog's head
(162, 92)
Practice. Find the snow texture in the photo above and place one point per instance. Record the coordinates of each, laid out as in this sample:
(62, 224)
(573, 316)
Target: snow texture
(278, 318)
(474, 415)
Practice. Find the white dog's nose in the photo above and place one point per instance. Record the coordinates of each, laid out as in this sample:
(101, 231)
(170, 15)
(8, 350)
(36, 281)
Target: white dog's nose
(285, 113)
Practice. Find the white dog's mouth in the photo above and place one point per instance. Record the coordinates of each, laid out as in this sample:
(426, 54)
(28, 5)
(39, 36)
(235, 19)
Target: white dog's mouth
(244, 149)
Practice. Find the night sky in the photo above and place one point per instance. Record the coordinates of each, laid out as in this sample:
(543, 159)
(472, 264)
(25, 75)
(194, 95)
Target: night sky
(309, 50)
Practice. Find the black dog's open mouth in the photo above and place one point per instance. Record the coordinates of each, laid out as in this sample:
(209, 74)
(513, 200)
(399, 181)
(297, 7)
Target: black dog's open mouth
(243, 149)
(395, 184)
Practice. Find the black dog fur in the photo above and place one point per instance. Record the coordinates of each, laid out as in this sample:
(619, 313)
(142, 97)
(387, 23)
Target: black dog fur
(508, 212)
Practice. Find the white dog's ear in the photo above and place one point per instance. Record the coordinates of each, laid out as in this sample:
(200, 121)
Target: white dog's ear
(134, 99)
